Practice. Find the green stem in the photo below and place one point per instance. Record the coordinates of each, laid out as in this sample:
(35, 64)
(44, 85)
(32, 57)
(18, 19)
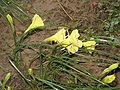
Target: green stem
(27, 80)
(51, 84)
(87, 75)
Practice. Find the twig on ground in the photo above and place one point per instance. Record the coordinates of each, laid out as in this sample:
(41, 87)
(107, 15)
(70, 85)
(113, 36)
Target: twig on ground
(64, 10)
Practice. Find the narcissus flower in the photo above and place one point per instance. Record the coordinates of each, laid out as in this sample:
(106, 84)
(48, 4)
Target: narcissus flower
(110, 68)
(72, 43)
(90, 45)
(58, 37)
(9, 18)
(37, 22)
(109, 79)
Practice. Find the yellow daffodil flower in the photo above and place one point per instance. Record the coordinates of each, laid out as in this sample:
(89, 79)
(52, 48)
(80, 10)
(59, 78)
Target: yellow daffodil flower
(90, 45)
(72, 43)
(109, 79)
(36, 23)
(9, 18)
(110, 68)
(58, 37)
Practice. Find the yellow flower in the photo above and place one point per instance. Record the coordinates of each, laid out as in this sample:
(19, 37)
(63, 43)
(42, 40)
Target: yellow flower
(109, 79)
(110, 68)
(72, 39)
(9, 18)
(90, 45)
(36, 23)
(72, 43)
(58, 37)
(71, 48)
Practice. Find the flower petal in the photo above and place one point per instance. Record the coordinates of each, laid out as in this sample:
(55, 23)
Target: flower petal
(74, 34)
(89, 43)
(71, 48)
(77, 43)
(73, 39)
(72, 43)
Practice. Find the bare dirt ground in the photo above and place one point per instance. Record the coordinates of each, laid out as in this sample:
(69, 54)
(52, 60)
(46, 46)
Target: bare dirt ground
(79, 14)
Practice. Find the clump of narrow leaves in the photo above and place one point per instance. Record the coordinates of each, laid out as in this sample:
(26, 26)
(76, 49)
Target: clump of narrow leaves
(58, 66)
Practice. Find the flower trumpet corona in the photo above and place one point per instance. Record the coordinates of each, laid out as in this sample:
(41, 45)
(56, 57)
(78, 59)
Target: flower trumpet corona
(58, 37)
(37, 22)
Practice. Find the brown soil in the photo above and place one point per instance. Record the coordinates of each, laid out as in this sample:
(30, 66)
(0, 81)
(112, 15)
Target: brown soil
(78, 14)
